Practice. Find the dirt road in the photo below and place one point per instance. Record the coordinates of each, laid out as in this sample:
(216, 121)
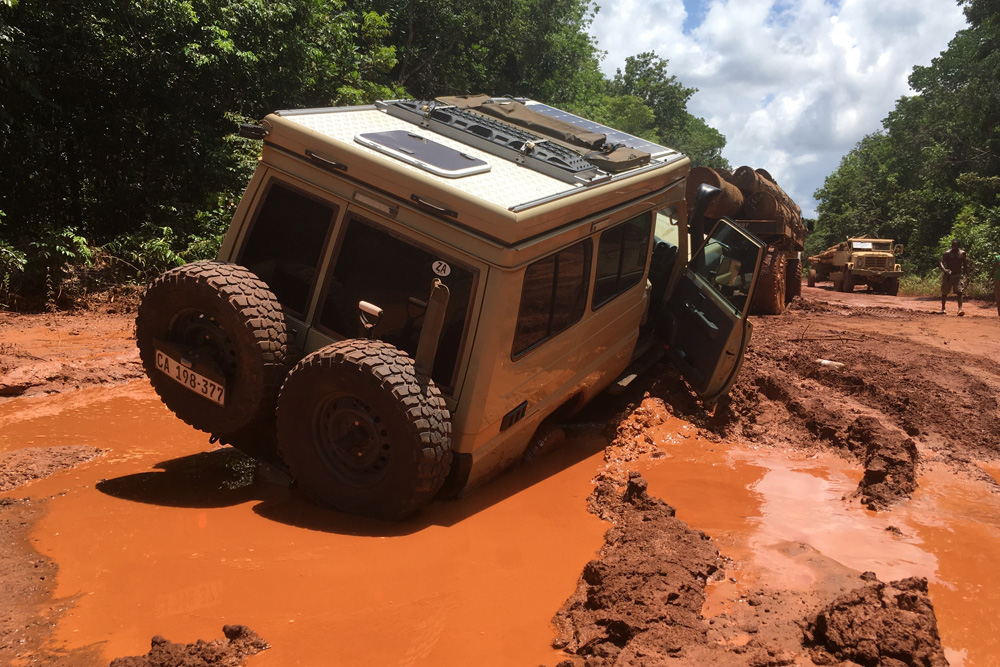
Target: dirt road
(861, 438)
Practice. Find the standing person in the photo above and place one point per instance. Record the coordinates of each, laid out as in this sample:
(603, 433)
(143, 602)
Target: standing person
(953, 279)
(996, 280)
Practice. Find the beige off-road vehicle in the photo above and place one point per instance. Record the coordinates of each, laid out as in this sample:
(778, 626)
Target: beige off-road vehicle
(408, 290)
(860, 260)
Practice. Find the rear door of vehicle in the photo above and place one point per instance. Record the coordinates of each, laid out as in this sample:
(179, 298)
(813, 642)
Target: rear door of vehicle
(708, 310)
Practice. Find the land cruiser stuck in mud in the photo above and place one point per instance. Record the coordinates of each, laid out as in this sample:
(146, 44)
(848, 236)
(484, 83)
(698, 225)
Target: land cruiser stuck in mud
(408, 290)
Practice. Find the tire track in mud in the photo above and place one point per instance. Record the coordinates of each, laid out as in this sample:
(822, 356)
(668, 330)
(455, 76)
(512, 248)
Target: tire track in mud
(888, 399)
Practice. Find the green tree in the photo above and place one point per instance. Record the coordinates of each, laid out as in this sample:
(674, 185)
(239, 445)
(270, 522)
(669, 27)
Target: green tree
(533, 48)
(118, 114)
(933, 172)
(646, 78)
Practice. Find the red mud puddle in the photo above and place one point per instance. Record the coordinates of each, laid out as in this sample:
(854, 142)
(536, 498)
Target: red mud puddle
(960, 520)
(787, 521)
(178, 541)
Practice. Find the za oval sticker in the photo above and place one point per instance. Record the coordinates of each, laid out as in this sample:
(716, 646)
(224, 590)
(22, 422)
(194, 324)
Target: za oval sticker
(441, 268)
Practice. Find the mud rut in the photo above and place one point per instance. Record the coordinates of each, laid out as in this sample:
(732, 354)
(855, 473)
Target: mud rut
(819, 377)
(894, 400)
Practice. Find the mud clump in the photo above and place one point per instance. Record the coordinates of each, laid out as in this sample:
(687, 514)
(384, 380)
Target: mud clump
(641, 599)
(631, 438)
(240, 643)
(878, 625)
(890, 461)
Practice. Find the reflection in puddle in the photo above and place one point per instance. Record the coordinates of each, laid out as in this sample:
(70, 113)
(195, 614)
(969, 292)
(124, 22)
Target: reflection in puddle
(787, 519)
(959, 519)
(802, 503)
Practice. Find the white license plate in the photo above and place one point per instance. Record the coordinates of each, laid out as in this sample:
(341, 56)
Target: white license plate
(194, 381)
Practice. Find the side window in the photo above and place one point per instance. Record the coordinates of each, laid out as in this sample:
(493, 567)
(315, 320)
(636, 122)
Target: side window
(553, 297)
(395, 275)
(286, 241)
(621, 258)
(727, 262)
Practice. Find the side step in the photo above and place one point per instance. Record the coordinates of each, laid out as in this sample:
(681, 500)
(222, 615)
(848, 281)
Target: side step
(636, 368)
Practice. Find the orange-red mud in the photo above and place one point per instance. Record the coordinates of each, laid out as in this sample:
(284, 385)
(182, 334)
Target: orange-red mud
(156, 532)
(160, 536)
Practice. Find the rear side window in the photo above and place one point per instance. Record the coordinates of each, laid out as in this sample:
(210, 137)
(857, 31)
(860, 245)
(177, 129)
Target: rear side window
(286, 241)
(621, 258)
(553, 297)
(395, 275)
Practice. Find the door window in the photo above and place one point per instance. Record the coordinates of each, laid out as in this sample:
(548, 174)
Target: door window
(621, 258)
(394, 274)
(727, 262)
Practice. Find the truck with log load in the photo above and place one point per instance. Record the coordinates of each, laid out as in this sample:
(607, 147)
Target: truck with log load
(755, 202)
(860, 260)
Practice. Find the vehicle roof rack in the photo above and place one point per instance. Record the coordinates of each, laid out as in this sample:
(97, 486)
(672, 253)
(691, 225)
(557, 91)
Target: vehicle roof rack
(499, 138)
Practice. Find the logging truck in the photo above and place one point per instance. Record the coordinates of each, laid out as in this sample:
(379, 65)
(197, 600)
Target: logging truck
(758, 204)
(861, 260)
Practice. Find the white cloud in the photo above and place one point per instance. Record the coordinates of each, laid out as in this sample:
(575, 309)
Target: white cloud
(792, 85)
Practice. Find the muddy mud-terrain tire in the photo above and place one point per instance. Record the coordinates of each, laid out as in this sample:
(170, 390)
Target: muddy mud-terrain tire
(793, 279)
(226, 319)
(892, 286)
(811, 278)
(769, 297)
(362, 431)
(847, 282)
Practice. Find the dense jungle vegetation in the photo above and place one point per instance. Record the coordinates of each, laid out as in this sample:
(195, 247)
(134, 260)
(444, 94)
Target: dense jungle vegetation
(932, 173)
(118, 118)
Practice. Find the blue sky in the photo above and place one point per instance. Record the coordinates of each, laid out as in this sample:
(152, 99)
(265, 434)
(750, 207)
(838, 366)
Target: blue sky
(792, 84)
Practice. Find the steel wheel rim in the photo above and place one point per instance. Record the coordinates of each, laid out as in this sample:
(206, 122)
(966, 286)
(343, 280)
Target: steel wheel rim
(351, 439)
(202, 337)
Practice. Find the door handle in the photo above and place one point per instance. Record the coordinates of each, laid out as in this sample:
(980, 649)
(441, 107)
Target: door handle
(711, 328)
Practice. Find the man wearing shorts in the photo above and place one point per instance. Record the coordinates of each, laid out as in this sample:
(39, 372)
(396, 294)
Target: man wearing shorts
(953, 278)
(996, 281)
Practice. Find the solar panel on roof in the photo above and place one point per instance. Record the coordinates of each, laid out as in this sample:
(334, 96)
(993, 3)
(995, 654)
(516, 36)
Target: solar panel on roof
(614, 136)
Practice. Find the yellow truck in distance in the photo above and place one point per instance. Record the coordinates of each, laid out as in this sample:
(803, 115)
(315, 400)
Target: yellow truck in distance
(860, 260)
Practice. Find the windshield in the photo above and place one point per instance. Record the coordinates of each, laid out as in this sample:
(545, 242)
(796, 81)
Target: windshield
(881, 246)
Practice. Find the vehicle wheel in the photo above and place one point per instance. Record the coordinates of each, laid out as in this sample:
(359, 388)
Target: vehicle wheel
(892, 286)
(811, 278)
(362, 431)
(793, 279)
(847, 282)
(225, 321)
(769, 298)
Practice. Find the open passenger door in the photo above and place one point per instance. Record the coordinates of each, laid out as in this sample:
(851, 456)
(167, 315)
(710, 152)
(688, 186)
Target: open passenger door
(709, 329)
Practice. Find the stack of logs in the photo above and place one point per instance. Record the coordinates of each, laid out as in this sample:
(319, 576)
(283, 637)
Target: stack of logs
(750, 195)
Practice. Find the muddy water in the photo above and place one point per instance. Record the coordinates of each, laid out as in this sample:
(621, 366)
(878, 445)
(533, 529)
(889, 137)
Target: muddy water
(178, 541)
(786, 519)
(163, 535)
(962, 523)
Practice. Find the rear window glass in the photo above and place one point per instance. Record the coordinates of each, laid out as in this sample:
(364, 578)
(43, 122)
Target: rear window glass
(286, 241)
(396, 275)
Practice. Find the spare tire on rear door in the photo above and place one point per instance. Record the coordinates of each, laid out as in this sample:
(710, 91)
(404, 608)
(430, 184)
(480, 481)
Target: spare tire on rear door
(214, 344)
(364, 432)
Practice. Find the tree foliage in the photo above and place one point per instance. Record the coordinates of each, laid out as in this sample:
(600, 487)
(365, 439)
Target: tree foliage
(933, 172)
(118, 117)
